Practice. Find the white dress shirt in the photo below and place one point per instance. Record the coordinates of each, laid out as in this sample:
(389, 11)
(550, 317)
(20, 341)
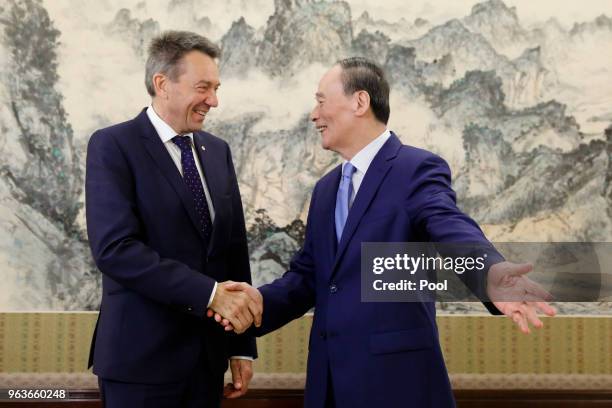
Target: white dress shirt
(166, 133)
(362, 160)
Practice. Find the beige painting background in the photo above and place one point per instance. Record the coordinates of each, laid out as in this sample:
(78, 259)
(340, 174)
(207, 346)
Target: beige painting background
(515, 95)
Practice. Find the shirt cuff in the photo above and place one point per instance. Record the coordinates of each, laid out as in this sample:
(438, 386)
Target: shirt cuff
(212, 295)
(242, 358)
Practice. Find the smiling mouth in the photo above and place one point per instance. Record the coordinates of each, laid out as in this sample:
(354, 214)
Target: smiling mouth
(320, 129)
(202, 113)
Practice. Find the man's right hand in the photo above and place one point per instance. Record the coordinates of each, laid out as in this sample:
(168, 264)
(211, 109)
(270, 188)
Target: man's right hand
(255, 306)
(237, 306)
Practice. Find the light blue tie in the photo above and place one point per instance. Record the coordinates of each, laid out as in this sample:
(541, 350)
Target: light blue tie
(345, 189)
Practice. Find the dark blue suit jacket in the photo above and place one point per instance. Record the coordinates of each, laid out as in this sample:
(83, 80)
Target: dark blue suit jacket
(379, 354)
(157, 273)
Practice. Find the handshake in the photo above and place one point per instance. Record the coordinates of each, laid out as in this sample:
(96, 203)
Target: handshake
(236, 305)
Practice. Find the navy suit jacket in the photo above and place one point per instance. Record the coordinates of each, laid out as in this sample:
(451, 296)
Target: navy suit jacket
(157, 273)
(378, 354)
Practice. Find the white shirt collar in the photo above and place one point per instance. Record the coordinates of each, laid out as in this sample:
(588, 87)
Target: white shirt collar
(364, 157)
(165, 132)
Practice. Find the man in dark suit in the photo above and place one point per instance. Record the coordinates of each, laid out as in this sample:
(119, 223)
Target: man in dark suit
(383, 354)
(166, 229)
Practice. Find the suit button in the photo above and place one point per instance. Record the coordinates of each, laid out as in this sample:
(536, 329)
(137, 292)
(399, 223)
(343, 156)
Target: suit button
(333, 288)
(322, 334)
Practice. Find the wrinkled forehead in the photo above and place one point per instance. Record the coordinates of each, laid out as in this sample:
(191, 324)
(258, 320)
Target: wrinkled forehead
(331, 80)
(199, 66)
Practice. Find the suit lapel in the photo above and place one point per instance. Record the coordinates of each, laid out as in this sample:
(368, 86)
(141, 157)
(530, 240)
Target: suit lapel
(160, 156)
(380, 166)
(327, 198)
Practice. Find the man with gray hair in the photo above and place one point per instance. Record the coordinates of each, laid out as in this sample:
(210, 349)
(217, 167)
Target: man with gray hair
(379, 353)
(166, 229)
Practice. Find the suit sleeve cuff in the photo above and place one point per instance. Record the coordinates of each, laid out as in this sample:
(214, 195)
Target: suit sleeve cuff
(242, 358)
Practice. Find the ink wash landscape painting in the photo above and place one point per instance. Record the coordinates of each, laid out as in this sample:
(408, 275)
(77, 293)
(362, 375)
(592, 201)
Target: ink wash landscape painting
(516, 96)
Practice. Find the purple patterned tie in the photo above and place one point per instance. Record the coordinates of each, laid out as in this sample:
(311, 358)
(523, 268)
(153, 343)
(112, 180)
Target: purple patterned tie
(194, 182)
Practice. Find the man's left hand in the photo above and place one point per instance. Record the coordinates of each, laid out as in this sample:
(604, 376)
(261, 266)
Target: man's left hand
(517, 296)
(242, 372)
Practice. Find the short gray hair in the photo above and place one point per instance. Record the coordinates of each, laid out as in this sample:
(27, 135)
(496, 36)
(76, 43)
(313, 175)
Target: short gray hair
(167, 50)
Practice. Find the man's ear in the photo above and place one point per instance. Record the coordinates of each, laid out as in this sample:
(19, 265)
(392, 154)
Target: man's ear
(362, 99)
(160, 83)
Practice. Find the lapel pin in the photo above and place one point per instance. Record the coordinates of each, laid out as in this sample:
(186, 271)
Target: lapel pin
(203, 148)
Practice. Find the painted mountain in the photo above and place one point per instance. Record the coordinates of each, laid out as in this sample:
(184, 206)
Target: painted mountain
(523, 114)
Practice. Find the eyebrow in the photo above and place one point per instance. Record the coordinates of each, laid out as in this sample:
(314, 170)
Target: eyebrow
(209, 83)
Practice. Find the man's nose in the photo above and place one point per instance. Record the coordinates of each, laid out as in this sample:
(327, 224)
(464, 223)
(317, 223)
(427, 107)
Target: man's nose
(213, 100)
(314, 114)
